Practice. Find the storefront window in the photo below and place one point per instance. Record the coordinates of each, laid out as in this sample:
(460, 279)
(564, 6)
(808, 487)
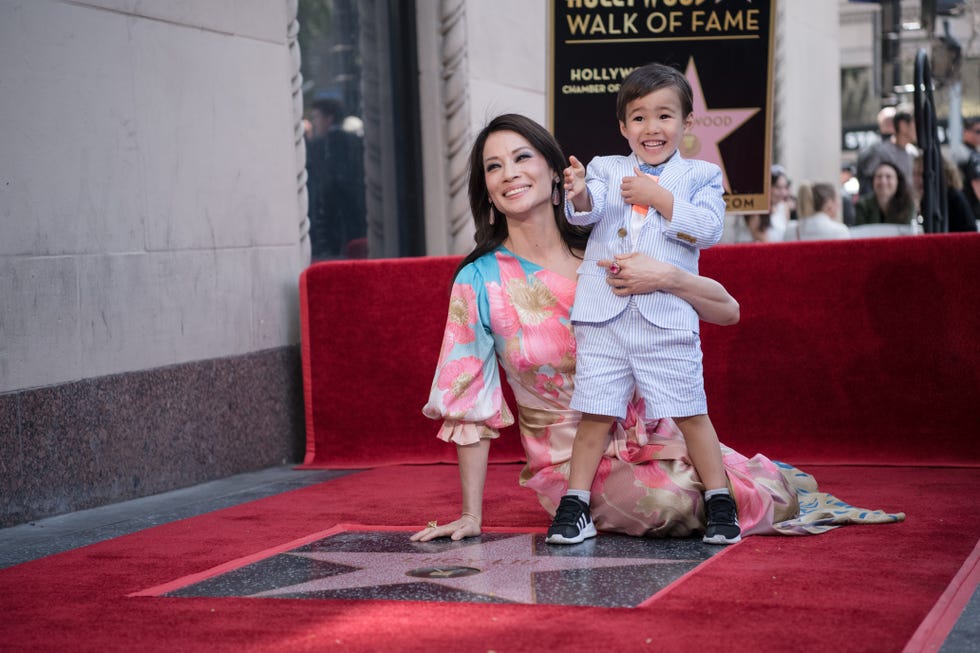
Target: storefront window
(360, 98)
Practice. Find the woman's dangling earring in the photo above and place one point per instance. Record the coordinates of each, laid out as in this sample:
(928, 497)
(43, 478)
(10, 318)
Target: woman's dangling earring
(555, 195)
(491, 213)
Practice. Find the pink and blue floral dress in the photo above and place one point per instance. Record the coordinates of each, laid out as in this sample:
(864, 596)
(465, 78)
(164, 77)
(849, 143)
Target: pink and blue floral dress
(507, 313)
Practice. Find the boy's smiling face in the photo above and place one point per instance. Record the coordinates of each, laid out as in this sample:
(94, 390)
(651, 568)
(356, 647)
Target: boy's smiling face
(655, 125)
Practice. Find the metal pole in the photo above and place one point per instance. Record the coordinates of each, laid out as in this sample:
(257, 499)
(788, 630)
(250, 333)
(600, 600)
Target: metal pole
(933, 203)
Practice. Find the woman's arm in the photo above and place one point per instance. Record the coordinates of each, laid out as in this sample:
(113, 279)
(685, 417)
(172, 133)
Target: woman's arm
(639, 274)
(472, 475)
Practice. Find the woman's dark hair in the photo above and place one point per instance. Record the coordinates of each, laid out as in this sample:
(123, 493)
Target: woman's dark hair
(900, 206)
(490, 236)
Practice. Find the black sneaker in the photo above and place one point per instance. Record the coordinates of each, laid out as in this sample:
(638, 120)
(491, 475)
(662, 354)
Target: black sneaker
(722, 521)
(573, 522)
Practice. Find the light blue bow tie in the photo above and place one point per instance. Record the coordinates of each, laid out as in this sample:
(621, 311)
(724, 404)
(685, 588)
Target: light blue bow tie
(652, 170)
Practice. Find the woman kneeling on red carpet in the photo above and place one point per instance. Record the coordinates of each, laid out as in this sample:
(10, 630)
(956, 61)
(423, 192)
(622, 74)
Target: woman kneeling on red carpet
(509, 310)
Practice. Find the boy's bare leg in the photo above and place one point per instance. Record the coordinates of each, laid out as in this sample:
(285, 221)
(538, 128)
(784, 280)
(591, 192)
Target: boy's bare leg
(721, 512)
(704, 449)
(591, 440)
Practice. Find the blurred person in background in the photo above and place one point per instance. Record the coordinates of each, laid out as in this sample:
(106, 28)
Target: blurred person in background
(865, 167)
(765, 227)
(818, 207)
(850, 189)
(335, 168)
(957, 206)
(890, 200)
(897, 149)
(970, 166)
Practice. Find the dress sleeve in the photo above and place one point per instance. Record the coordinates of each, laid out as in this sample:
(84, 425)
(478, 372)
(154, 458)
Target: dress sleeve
(466, 392)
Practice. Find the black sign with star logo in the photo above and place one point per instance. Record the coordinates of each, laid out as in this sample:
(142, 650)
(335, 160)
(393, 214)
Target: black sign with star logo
(724, 48)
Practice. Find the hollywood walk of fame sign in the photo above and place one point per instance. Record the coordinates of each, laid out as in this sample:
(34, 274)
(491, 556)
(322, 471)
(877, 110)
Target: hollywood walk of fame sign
(724, 48)
(610, 571)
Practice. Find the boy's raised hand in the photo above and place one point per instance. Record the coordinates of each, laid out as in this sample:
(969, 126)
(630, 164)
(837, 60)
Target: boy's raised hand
(575, 189)
(640, 188)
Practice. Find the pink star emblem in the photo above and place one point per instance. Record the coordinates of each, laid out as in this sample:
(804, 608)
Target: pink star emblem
(711, 126)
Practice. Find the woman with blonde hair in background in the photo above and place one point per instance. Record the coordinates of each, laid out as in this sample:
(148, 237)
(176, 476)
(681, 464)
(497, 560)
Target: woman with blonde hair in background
(819, 209)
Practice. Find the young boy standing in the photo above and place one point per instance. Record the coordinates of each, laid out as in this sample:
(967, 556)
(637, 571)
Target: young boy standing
(667, 207)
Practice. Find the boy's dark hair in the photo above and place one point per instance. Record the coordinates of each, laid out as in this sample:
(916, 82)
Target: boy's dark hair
(653, 77)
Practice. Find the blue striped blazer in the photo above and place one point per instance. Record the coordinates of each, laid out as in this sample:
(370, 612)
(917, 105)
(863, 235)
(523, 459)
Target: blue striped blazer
(697, 223)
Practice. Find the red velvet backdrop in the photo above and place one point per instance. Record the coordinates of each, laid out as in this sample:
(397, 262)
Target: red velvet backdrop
(371, 337)
(858, 351)
(861, 351)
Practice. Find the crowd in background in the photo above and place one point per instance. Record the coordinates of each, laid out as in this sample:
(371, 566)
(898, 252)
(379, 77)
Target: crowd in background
(878, 196)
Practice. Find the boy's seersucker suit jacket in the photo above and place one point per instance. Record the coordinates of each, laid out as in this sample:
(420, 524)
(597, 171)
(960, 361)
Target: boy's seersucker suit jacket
(697, 223)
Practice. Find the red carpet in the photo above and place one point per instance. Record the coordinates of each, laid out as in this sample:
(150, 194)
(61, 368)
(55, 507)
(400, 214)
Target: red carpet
(859, 588)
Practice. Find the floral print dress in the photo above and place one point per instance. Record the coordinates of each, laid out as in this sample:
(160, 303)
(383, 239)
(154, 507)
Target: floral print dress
(508, 313)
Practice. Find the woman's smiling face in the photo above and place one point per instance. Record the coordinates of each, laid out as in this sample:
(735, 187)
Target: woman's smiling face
(885, 181)
(518, 177)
